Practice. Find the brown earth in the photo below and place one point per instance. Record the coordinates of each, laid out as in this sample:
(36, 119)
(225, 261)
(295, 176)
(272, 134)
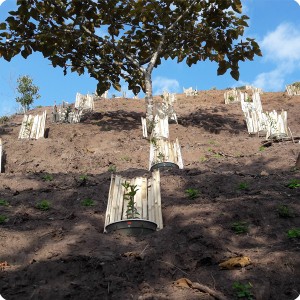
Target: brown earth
(62, 253)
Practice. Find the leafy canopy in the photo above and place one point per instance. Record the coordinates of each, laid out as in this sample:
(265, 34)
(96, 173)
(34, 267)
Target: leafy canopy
(114, 39)
(27, 90)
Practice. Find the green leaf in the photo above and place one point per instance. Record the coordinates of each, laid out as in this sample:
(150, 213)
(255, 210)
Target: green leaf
(235, 74)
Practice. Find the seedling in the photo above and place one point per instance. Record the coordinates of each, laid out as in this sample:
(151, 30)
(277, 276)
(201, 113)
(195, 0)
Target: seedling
(83, 179)
(153, 141)
(88, 202)
(243, 186)
(218, 155)
(231, 98)
(4, 119)
(3, 219)
(248, 99)
(285, 211)
(43, 205)
(112, 169)
(47, 177)
(161, 157)
(130, 192)
(243, 290)
(126, 158)
(3, 202)
(239, 227)
(203, 159)
(293, 233)
(294, 184)
(150, 126)
(192, 193)
(262, 148)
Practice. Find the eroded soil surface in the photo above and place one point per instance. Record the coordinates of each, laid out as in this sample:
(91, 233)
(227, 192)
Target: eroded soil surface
(62, 252)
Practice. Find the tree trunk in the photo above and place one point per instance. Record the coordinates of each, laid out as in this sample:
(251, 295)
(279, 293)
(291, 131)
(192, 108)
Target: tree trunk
(149, 97)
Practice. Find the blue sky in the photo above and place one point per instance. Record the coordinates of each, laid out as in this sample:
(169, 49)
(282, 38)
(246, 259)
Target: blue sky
(275, 24)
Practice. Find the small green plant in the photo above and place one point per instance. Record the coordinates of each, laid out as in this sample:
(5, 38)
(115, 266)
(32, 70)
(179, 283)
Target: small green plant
(248, 99)
(130, 192)
(293, 233)
(4, 119)
(3, 219)
(150, 126)
(293, 184)
(231, 98)
(112, 169)
(3, 202)
(202, 159)
(239, 227)
(83, 179)
(153, 141)
(217, 155)
(47, 177)
(210, 150)
(126, 158)
(243, 186)
(285, 211)
(243, 290)
(43, 205)
(262, 148)
(88, 202)
(160, 157)
(192, 193)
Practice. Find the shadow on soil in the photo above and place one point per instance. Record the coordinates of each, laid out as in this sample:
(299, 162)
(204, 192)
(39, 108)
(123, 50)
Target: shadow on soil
(62, 253)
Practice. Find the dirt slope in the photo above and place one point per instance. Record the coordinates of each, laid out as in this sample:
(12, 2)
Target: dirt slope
(62, 253)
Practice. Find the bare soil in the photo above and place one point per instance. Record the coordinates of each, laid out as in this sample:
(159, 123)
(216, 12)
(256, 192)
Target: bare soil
(62, 253)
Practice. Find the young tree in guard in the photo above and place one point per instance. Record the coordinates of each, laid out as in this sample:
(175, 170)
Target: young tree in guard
(28, 92)
(114, 39)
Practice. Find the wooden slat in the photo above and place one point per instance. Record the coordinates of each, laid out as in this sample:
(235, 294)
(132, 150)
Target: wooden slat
(144, 195)
(150, 201)
(108, 213)
(157, 199)
(120, 200)
(34, 127)
(114, 205)
(138, 196)
(144, 127)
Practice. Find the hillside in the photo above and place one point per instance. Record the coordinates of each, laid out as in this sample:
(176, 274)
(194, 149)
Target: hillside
(62, 253)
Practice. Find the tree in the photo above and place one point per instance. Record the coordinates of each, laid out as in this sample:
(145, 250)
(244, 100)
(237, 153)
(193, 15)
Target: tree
(115, 39)
(28, 92)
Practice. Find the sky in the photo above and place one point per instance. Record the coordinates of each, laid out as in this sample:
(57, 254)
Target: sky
(275, 24)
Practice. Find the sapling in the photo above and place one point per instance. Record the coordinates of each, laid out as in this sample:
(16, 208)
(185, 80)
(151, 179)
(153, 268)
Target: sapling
(192, 193)
(293, 233)
(83, 179)
(161, 157)
(3, 219)
(47, 177)
(239, 227)
(130, 192)
(243, 290)
(3, 202)
(285, 211)
(88, 202)
(243, 186)
(294, 184)
(43, 205)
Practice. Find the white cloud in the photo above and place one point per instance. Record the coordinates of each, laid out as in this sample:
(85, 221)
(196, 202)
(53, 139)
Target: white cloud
(161, 84)
(282, 44)
(282, 48)
(1, 1)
